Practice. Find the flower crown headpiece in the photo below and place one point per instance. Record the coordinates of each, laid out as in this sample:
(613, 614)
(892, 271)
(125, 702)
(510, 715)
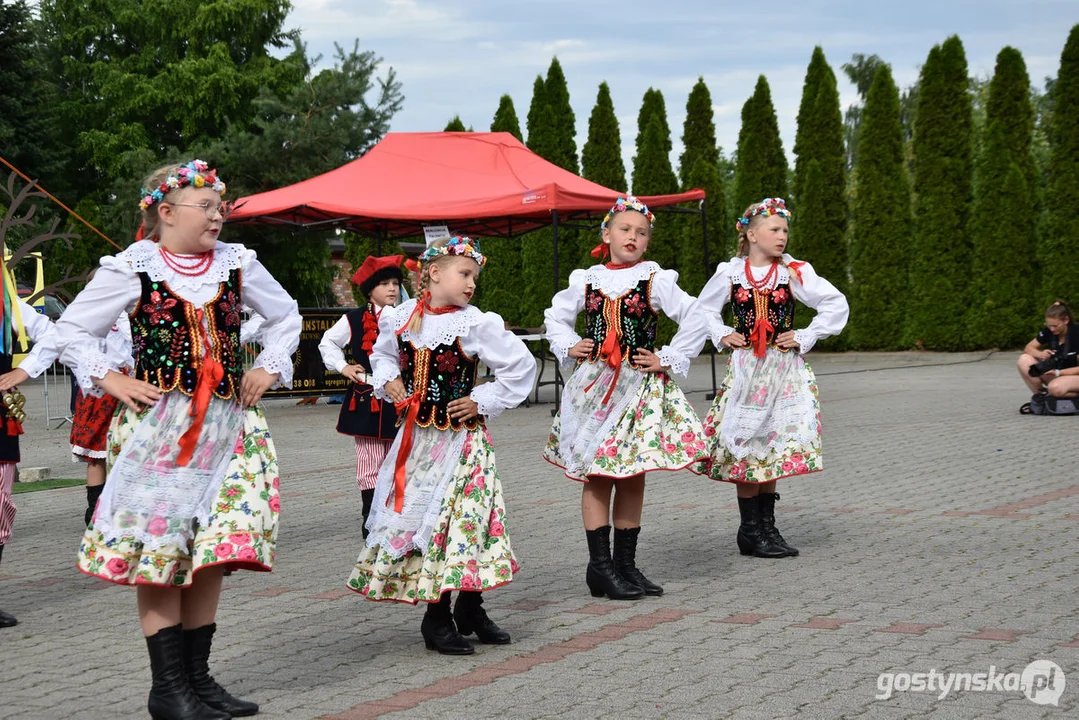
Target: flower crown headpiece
(195, 174)
(460, 245)
(768, 206)
(628, 203)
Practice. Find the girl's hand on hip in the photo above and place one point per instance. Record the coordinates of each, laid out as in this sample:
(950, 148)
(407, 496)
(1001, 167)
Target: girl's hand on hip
(463, 409)
(395, 390)
(648, 361)
(582, 349)
(787, 342)
(136, 394)
(734, 340)
(254, 383)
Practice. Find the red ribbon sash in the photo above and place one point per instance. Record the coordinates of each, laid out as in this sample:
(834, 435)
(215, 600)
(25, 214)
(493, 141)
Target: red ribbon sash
(210, 375)
(412, 405)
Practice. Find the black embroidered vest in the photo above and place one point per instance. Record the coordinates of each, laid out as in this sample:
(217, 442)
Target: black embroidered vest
(168, 340)
(438, 377)
(9, 444)
(359, 416)
(631, 315)
(747, 305)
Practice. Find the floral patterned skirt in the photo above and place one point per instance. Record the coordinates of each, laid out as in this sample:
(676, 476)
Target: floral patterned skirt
(658, 430)
(240, 534)
(791, 447)
(469, 550)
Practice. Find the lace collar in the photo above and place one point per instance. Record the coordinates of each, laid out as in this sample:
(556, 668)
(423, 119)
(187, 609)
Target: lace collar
(437, 329)
(145, 257)
(615, 282)
(737, 272)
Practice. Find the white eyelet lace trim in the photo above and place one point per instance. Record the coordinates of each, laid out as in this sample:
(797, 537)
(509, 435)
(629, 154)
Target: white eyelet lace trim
(92, 364)
(437, 329)
(380, 378)
(560, 348)
(676, 361)
(615, 282)
(486, 397)
(145, 257)
(276, 360)
(805, 339)
(718, 331)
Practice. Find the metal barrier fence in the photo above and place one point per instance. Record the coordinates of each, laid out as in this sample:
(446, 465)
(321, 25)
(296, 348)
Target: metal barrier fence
(56, 388)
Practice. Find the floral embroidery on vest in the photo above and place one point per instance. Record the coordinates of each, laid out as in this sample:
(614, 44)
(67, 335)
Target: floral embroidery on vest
(778, 303)
(630, 313)
(168, 344)
(438, 377)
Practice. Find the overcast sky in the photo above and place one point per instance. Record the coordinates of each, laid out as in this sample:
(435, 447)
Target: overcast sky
(459, 56)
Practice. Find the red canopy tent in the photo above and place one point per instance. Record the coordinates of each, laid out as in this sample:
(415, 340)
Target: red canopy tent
(478, 183)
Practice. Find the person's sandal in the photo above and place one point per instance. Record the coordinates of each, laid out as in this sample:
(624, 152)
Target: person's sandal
(1024, 409)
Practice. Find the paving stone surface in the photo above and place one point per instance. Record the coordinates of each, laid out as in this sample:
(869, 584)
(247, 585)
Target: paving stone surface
(942, 536)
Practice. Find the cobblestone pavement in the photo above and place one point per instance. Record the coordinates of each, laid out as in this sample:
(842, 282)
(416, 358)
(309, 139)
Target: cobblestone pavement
(942, 536)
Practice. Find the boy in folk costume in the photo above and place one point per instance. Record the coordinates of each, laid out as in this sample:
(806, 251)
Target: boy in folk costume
(621, 415)
(764, 424)
(371, 421)
(438, 518)
(18, 322)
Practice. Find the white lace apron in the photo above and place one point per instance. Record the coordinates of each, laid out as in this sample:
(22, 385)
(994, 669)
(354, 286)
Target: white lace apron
(429, 470)
(148, 497)
(769, 404)
(586, 420)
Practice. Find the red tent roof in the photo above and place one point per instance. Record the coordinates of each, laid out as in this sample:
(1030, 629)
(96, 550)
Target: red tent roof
(480, 183)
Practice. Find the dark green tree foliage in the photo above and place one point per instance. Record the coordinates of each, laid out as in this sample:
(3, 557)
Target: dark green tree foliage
(601, 158)
(455, 125)
(136, 75)
(1058, 250)
(653, 105)
(761, 169)
(820, 140)
(505, 119)
(881, 221)
(698, 133)
(653, 175)
(565, 124)
(860, 70)
(537, 252)
(940, 259)
(1003, 225)
(694, 271)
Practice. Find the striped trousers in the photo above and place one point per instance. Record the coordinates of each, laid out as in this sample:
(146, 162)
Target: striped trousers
(7, 505)
(370, 452)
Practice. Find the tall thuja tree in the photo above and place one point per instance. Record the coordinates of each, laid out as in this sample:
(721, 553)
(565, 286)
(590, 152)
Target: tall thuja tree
(500, 283)
(1058, 249)
(820, 237)
(761, 169)
(693, 270)
(1002, 311)
(601, 157)
(653, 175)
(505, 119)
(537, 259)
(653, 105)
(881, 223)
(698, 167)
(940, 259)
(564, 155)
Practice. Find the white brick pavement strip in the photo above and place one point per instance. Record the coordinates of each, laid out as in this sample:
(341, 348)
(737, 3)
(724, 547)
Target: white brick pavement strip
(895, 577)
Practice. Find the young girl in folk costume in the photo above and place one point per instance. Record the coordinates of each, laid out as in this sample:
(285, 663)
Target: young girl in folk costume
(438, 521)
(93, 415)
(765, 421)
(372, 422)
(621, 415)
(18, 322)
(192, 473)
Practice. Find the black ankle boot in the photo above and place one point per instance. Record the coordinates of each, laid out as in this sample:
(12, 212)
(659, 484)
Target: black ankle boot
(368, 497)
(196, 660)
(767, 504)
(625, 560)
(439, 632)
(751, 537)
(171, 697)
(601, 576)
(5, 619)
(93, 492)
(470, 617)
